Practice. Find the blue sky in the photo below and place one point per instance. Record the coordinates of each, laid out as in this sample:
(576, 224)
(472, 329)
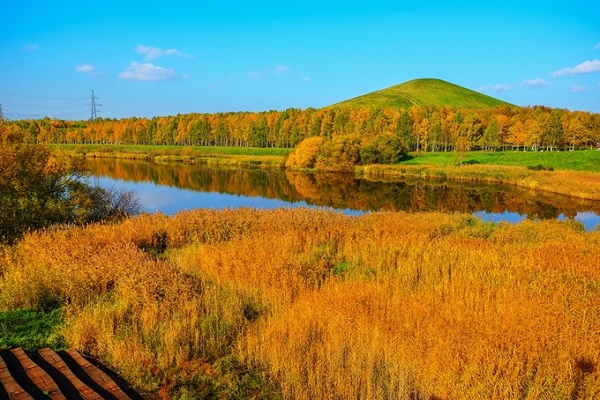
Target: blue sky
(150, 58)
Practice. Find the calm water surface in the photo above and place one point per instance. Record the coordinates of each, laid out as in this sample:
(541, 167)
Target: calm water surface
(172, 188)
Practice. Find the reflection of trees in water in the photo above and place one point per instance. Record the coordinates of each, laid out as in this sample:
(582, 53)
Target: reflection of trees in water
(346, 191)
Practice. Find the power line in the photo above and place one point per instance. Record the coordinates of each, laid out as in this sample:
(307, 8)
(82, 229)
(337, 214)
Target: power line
(31, 106)
(20, 110)
(31, 96)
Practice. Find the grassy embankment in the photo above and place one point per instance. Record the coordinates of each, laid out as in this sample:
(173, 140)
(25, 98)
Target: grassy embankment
(305, 304)
(207, 155)
(573, 173)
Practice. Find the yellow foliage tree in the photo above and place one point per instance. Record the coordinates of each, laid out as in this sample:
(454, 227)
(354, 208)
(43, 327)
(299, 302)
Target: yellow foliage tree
(305, 155)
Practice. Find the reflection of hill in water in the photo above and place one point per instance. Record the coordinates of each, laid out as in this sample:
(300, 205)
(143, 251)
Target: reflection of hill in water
(347, 192)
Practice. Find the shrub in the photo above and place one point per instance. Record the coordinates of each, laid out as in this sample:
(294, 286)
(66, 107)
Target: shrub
(341, 153)
(540, 167)
(382, 149)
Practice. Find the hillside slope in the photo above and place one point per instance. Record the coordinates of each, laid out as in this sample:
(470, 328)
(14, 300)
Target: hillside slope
(426, 92)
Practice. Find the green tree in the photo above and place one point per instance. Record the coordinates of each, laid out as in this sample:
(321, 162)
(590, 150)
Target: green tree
(553, 130)
(258, 132)
(382, 149)
(471, 129)
(341, 153)
(435, 131)
(491, 136)
(404, 129)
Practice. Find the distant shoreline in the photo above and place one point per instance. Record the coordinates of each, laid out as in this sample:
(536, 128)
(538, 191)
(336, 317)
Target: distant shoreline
(584, 184)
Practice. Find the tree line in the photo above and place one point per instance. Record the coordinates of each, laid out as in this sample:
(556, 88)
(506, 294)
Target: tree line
(420, 128)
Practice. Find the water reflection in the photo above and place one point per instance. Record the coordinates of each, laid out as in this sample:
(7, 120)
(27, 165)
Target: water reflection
(170, 188)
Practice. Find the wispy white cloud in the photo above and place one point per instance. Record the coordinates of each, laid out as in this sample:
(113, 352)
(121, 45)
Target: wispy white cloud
(278, 70)
(535, 83)
(597, 46)
(85, 69)
(500, 87)
(255, 74)
(31, 47)
(149, 73)
(151, 53)
(586, 67)
(579, 88)
(306, 79)
(281, 70)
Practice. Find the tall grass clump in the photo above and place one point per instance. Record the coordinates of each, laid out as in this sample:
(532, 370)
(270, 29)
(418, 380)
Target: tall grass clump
(305, 304)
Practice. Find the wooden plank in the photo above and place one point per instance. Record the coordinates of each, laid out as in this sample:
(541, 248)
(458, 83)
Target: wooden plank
(38, 376)
(54, 360)
(58, 376)
(98, 375)
(14, 390)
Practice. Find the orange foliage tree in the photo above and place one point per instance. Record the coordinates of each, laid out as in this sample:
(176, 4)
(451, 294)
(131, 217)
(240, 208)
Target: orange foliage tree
(420, 128)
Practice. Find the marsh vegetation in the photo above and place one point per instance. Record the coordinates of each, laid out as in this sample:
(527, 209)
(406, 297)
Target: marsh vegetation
(308, 304)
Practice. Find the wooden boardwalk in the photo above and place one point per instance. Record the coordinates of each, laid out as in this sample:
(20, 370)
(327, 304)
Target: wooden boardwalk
(62, 375)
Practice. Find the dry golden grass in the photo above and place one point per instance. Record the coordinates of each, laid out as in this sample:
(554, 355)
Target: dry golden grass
(383, 306)
(483, 320)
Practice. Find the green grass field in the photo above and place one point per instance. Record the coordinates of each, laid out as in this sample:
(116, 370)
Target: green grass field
(173, 150)
(582, 160)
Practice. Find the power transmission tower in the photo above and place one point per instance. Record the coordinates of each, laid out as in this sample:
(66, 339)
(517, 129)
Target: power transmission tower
(93, 105)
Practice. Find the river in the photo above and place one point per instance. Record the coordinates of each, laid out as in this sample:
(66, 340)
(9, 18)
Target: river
(172, 188)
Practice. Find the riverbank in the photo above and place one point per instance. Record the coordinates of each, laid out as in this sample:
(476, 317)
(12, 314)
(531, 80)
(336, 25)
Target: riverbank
(583, 185)
(574, 174)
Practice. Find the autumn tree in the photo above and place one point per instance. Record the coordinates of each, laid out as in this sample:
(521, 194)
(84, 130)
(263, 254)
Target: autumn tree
(517, 134)
(419, 127)
(39, 188)
(306, 153)
(533, 133)
(448, 123)
(469, 131)
(552, 130)
(421, 133)
(574, 130)
(503, 122)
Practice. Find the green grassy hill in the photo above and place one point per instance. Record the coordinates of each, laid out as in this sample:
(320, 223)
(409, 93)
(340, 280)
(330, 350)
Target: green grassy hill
(426, 92)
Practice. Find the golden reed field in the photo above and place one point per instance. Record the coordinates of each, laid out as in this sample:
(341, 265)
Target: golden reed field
(319, 305)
